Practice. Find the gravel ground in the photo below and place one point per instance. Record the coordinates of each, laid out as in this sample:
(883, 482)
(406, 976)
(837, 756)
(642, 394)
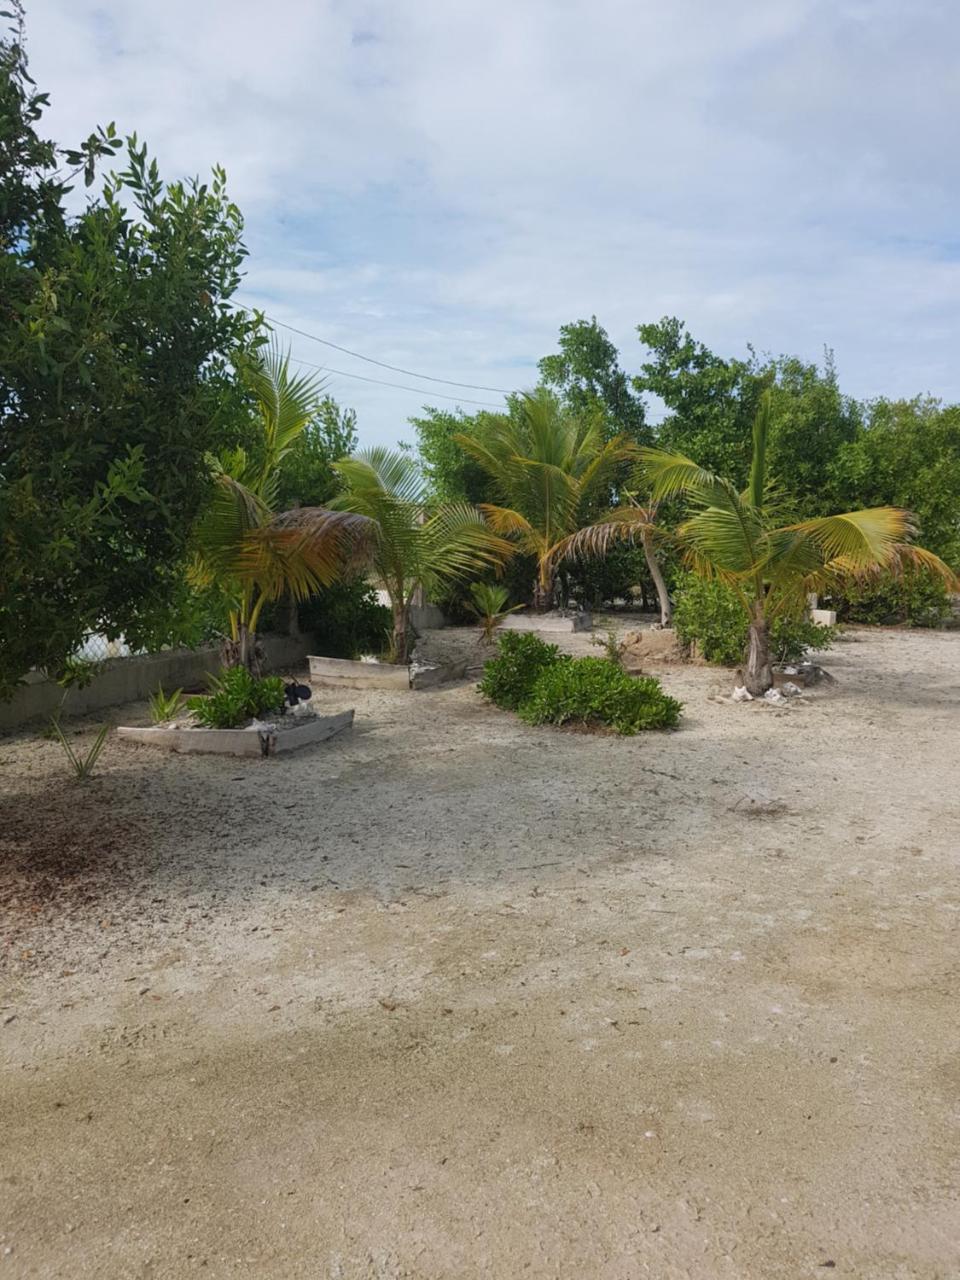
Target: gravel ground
(449, 996)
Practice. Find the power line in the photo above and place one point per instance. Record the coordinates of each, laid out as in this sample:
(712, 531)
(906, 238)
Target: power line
(449, 382)
(419, 391)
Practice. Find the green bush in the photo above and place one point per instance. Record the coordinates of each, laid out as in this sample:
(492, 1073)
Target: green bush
(708, 613)
(508, 679)
(236, 697)
(346, 620)
(792, 638)
(915, 600)
(594, 691)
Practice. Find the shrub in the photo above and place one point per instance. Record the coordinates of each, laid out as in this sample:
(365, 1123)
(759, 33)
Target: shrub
(916, 600)
(792, 638)
(594, 691)
(708, 613)
(508, 679)
(235, 697)
(346, 620)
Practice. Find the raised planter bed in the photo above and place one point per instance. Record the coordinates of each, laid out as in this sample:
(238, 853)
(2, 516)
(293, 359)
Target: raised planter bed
(548, 623)
(343, 673)
(251, 741)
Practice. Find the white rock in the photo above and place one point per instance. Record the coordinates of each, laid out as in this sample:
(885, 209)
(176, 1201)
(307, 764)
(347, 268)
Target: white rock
(790, 690)
(774, 695)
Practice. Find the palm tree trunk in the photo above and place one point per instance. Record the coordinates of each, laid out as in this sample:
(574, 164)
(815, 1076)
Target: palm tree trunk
(401, 633)
(758, 673)
(663, 595)
(543, 590)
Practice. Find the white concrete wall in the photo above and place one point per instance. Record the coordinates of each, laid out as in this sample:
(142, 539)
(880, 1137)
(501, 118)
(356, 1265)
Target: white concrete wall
(132, 679)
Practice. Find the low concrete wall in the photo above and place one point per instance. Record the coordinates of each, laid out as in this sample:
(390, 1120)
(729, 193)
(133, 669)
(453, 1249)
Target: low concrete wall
(238, 742)
(547, 623)
(132, 679)
(344, 673)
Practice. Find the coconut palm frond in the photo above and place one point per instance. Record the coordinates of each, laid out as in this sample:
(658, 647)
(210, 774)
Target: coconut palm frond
(304, 549)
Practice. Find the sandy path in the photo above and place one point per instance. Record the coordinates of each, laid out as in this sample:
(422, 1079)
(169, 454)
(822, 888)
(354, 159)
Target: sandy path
(453, 997)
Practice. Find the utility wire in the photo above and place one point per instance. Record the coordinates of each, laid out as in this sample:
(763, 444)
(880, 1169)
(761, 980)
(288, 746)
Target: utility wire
(419, 391)
(449, 382)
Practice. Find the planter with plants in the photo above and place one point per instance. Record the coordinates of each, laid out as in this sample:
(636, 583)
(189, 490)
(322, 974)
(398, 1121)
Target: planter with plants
(241, 715)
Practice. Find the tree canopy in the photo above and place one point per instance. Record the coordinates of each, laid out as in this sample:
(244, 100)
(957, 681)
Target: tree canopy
(118, 343)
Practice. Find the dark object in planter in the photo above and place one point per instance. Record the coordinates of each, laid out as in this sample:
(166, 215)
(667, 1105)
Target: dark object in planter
(295, 693)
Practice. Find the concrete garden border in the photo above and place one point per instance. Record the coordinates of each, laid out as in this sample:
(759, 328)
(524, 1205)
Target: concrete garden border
(548, 623)
(344, 673)
(239, 742)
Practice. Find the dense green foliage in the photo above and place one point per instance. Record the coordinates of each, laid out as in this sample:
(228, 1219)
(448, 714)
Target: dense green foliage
(117, 348)
(593, 691)
(907, 455)
(915, 600)
(346, 620)
(585, 373)
(235, 697)
(545, 686)
(708, 614)
(508, 679)
(306, 472)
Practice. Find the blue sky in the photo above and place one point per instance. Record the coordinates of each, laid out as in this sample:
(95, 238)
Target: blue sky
(441, 184)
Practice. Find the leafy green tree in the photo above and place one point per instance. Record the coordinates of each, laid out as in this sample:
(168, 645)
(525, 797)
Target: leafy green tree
(307, 475)
(907, 455)
(710, 401)
(741, 539)
(117, 350)
(451, 474)
(587, 376)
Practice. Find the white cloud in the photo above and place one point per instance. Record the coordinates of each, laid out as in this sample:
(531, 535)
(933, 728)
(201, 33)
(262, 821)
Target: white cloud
(443, 185)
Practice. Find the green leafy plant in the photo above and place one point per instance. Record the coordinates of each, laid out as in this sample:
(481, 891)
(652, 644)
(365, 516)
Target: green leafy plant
(242, 544)
(82, 764)
(550, 468)
(418, 547)
(610, 645)
(770, 566)
(914, 600)
(487, 604)
(235, 697)
(508, 679)
(709, 615)
(346, 620)
(593, 691)
(165, 706)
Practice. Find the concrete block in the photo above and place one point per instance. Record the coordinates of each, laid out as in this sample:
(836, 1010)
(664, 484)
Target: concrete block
(823, 617)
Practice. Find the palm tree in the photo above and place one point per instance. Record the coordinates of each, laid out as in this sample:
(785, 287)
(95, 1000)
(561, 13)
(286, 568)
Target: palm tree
(251, 552)
(416, 549)
(549, 468)
(624, 524)
(771, 567)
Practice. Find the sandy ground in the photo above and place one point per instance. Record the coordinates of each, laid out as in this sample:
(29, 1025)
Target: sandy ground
(454, 997)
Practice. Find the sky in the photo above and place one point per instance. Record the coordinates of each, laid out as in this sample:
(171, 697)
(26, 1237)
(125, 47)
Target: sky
(440, 184)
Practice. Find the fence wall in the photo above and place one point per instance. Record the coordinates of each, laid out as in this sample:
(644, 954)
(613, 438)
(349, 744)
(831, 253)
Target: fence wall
(134, 678)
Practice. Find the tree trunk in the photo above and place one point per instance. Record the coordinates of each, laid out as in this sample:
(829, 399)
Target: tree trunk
(663, 595)
(542, 594)
(245, 651)
(758, 673)
(401, 634)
